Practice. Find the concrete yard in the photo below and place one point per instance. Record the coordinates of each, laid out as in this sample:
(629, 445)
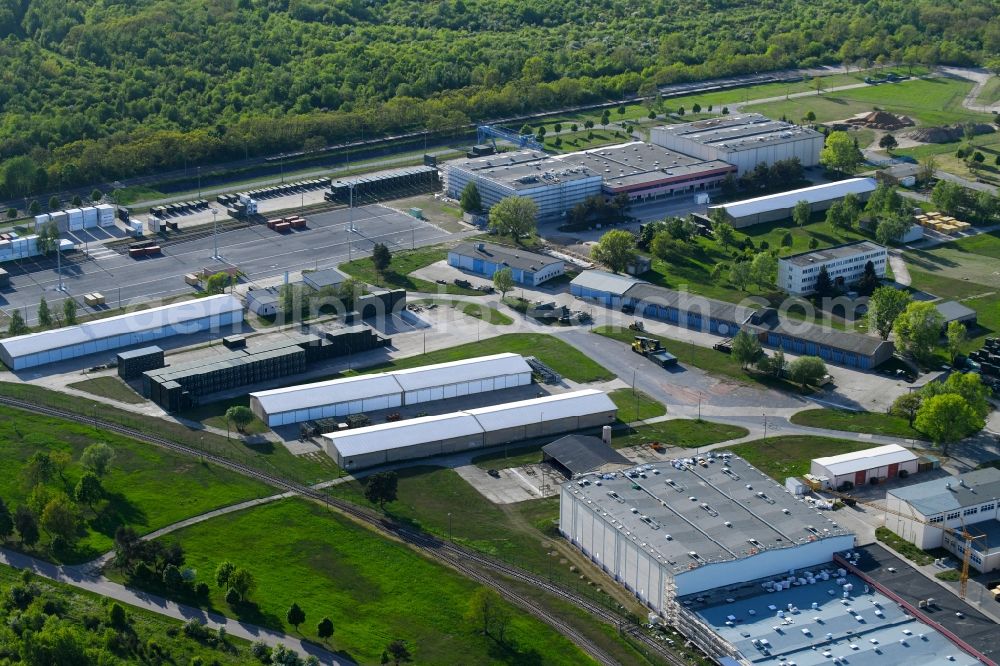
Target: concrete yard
(257, 251)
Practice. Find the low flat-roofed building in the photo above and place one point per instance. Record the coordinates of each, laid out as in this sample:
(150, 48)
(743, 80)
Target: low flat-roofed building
(670, 529)
(860, 467)
(263, 302)
(743, 140)
(548, 415)
(955, 311)
(845, 264)
(773, 207)
(607, 288)
(853, 350)
(969, 500)
(582, 454)
(327, 277)
(528, 268)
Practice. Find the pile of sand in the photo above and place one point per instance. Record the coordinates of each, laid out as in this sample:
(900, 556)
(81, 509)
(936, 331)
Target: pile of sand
(946, 134)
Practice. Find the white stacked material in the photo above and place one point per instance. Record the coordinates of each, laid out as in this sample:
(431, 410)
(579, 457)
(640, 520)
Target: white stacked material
(106, 215)
(20, 247)
(89, 217)
(75, 218)
(41, 220)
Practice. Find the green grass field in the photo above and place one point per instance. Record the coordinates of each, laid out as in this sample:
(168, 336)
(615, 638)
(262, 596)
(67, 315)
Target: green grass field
(75, 609)
(373, 589)
(397, 276)
(266, 456)
(935, 101)
(903, 547)
(481, 311)
(555, 353)
(964, 270)
(990, 94)
(147, 487)
(109, 387)
(686, 433)
(790, 455)
(635, 405)
(866, 422)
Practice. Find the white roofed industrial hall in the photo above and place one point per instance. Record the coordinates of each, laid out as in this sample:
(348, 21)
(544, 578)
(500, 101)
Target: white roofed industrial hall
(354, 395)
(127, 330)
(426, 436)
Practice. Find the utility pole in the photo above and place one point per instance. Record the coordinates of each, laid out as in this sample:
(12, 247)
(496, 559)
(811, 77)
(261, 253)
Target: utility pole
(59, 265)
(199, 182)
(765, 424)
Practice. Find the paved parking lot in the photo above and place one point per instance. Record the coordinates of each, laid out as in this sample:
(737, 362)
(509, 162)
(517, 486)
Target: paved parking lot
(257, 251)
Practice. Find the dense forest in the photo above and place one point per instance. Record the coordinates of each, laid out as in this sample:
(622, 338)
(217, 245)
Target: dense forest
(103, 89)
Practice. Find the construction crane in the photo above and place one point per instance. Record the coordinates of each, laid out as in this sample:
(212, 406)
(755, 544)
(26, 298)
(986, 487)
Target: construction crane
(963, 533)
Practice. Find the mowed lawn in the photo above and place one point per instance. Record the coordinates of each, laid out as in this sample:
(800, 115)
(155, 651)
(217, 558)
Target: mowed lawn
(397, 276)
(147, 487)
(934, 101)
(374, 590)
(790, 455)
(866, 422)
(686, 433)
(635, 405)
(555, 353)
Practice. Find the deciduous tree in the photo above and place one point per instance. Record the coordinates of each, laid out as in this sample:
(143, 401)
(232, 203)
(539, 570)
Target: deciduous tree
(906, 406)
(615, 249)
(746, 349)
(381, 488)
(44, 314)
(69, 311)
(88, 490)
(946, 419)
(398, 651)
(240, 416)
(59, 519)
(801, 213)
(26, 525)
(918, 330)
(381, 258)
(884, 307)
(807, 370)
(740, 274)
(295, 615)
(98, 458)
(16, 325)
(503, 281)
(6, 521)
(956, 335)
(514, 217)
(471, 201)
(325, 628)
(840, 152)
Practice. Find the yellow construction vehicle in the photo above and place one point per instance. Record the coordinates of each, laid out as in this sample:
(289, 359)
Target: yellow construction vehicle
(963, 533)
(652, 349)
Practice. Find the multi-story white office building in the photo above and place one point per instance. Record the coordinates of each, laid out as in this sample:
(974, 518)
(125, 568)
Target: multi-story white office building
(743, 140)
(554, 186)
(845, 264)
(971, 500)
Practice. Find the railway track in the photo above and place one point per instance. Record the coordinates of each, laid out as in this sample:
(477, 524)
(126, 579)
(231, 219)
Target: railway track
(475, 565)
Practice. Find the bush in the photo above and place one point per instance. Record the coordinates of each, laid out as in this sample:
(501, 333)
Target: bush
(201, 589)
(261, 651)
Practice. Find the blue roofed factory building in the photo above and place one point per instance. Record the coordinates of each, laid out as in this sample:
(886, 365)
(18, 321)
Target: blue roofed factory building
(529, 269)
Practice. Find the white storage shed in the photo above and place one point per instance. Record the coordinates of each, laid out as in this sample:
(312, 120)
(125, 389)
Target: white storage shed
(353, 395)
(134, 328)
(323, 400)
(550, 415)
(866, 466)
(403, 440)
(466, 377)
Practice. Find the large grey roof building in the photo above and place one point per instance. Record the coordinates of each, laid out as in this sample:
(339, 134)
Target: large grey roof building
(743, 140)
(970, 500)
(670, 529)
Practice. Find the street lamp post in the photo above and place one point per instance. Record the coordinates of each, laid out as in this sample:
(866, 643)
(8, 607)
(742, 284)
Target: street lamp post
(215, 235)
(199, 182)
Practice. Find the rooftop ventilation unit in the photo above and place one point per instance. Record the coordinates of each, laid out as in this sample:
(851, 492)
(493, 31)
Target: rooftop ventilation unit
(764, 497)
(712, 512)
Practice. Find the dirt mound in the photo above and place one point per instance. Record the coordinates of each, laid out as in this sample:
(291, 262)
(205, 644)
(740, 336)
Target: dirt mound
(946, 134)
(881, 120)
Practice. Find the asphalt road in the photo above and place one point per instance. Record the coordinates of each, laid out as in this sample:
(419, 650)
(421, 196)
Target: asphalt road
(257, 251)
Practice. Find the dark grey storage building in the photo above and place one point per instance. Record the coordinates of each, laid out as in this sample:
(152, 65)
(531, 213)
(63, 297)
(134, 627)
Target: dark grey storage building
(131, 364)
